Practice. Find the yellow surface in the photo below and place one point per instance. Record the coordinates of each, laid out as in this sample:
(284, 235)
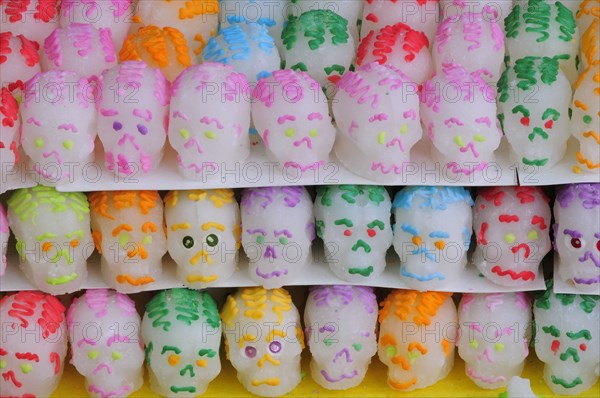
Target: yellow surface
(374, 385)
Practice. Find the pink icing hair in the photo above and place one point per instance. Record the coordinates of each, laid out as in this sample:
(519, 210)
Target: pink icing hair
(98, 301)
(53, 48)
(472, 24)
(57, 78)
(130, 72)
(3, 220)
(108, 46)
(233, 83)
(286, 79)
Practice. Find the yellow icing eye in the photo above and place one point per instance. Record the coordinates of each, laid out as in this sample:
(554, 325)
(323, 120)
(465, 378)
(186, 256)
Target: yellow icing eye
(417, 240)
(532, 235)
(509, 238)
(313, 133)
(68, 144)
(2, 364)
(39, 142)
(289, 132)
(474, 343)
(117, 355)
(201, 363)
(93, 354)
(499, 347)
(173, 359)
(25, 368)
(440, 244)
(147, 240)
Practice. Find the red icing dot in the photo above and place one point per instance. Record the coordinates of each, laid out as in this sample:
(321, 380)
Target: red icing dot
(482, 206)
(582, 347)
(525, 121)
(348, 232)
(555, 346)
(371, 232)
(549, 124)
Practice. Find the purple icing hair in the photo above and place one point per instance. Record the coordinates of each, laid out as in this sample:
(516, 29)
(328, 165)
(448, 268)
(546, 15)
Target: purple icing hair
(323, 294)
(589, 195)
(265, 196)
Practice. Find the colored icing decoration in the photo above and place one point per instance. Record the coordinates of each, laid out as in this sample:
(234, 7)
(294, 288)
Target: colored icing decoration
(350, 10)
(319, 40)
(291, 114)
(534, 99)
(128, 231)
(81, 48)
(181, 330)
(577, 235)
(53, 237)
(588, 11)
(247, 47)
(112, 15)
(416, 359)
(513, 234)
(459, 109)
(4, 234)
(209, 119)
(349, 314)
(203, 235)
(585, 120)
(590, 49)
(10, 129)
(132, 117)
(163, 48)
(197, 20)
(567, 340)
(354, 223)
(277, 230)
(538, 28)
(432, 234)
(34, 344)
(35, 19)
(52, 100)
(19, 60)
(493, 11)
(501, 324)
(267, 356)
(399, 46)
(106, 345)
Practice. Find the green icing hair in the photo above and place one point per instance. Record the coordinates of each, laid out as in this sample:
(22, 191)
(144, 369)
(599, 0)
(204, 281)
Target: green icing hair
(26, 202)
(349, 193)
(188, 305)
(587, 303)
(313, 24)
(529, 71)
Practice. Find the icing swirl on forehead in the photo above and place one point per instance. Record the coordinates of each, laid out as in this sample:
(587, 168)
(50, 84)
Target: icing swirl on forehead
(187, 306)
(27, 203)
(546, 298)
(341, 295)
(359, 195)
(292, 85)
(23, 306)
(588, 195)
(436, 198)
(265, 196)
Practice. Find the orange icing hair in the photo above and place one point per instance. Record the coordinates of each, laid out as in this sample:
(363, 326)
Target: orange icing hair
(156, 43)
(101, 201)
(411, 303)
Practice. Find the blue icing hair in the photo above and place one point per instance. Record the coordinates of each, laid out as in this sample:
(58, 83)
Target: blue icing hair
(437, 198)
(236, 41)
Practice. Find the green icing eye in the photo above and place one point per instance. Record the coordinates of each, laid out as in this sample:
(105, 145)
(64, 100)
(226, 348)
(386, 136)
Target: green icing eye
(93, 354)
(116, 355)
(283, 240)
(260, 239)
(587, 119)
(212, 240)
(39, 142)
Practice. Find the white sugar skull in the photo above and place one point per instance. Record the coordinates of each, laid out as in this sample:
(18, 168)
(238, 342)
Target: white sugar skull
(301, 137)
(277, 231)
(35, 19)
(182, 333)
(533, 103)
(127, 227)
(577, 235)
(495, 11)
(133, 117)
(543, 29)
(58, 124)
(203, 235)
(4, 234)
(354, 223)
(19, 62)
(53, 237)
(494, 335)
(585, 120)
(377, 115)
(209, 119)
(266, 354)
(473, 41)
(247, 47)
(34, 344)
(513, 234)
(458, 109)
(106, 345)
(400, 46)
(340, 326)
(10, 131)
(115, 15)
(416, 358)
(80, 48)
(197, 20)
(319, 42)
(567, 340)
(432, 234)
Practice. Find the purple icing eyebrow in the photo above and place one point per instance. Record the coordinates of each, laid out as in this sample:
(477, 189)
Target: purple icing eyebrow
(327, 328)
(597, 235)
(574, 234)
(256, 230)
(282, 232)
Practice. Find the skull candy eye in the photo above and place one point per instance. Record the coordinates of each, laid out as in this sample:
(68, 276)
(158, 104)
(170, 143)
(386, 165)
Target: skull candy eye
(212, 240)
(250, 352)
(142, 129)
(275, 347)
(576, 243)
(188, 242)
(598, 245)
(117, 126)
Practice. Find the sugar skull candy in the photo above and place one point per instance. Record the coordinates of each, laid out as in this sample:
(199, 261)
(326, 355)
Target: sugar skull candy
(197, 20)
(35, 19)
(203, 235)
(416, 358)
(567, 340)
(4, 234)
(354, 223)
(20, 60)
(10, 130)
(495, 11)
(340, 331)
(400, 46)
(277, 231)
(59, 124)
(34, 344)
(163, 48)
(513, 234)
(590, 35)
(106, 345)
(318, 42)
(458, 109)
(534, 99)
(577, 235)
(473, 41)
(182, 333)
(585, 120)
(495, 330)
(114, 15)
(80, 48)
(53, 237)
(298, 138)
(543, 29)
(127, 227)
(209, 119)
(432, 234)
(132, 117)
(377, 112)
(247, 47)
(266, 355)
